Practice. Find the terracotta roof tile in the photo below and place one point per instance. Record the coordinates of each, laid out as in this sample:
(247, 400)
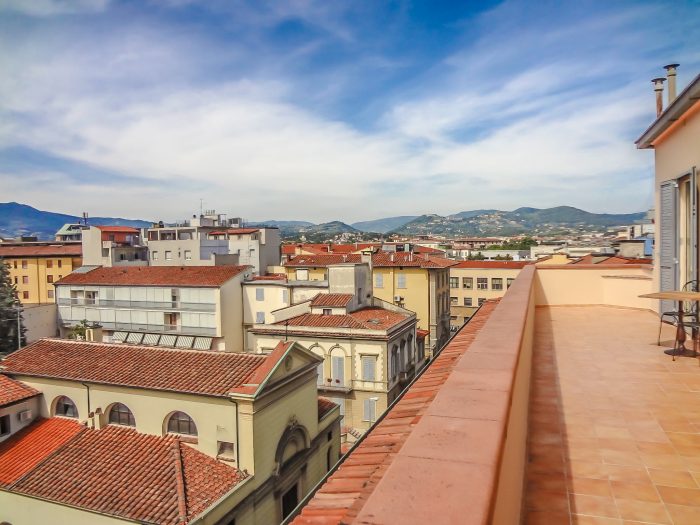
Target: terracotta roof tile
(364, 319)
(30, 446)
(337, 300)
(192, 371)
(515, 265)
(201, 276)
(120, 472)
(324, 407)
(12, 391)
(379, 260)
(344, 493)
(57, 250)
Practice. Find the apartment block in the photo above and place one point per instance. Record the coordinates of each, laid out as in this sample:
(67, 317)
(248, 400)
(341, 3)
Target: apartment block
(107, 433)
(414, 281)
(370, 350)
(36, 267)
(172, 306)
(113, 246)
(474, 282)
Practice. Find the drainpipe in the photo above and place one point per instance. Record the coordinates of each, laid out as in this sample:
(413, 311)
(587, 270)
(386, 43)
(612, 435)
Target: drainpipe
(88, 396)
(238, 457)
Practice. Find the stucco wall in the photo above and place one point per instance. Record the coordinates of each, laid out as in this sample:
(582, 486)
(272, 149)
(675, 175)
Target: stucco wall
(40, 321)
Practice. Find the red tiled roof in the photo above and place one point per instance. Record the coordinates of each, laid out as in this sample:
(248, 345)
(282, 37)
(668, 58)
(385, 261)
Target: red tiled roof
(30, 446)
(422, 334)
(118, 229)
(337, 300)
(324, 407)
(12, 391)
(363, 319)
(51, 250)
(341, 498)
(515, 265)
(202, 276)
(120, 472)
(379, 259)
(154, 368)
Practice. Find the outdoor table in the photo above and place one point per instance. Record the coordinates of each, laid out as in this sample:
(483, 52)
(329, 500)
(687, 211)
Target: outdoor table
(680, 296)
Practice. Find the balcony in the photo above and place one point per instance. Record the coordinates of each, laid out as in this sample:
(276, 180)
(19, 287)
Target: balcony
(151, 328)
(553, 406)
(139, 305)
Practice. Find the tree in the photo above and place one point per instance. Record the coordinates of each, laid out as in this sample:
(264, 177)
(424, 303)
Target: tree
(79, 330)
(10, 310)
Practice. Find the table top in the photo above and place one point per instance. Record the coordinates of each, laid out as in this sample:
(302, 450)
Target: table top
(673, 296)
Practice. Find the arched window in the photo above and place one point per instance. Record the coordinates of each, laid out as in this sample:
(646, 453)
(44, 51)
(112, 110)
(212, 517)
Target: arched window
(181, 423)
(120, 414)
(65, 407)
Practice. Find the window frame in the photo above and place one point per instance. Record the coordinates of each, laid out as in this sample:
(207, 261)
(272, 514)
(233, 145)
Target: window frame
(120, 414)
(482, 283)
(186, 420)
(67, 408)
(497, 283)
(468, 283)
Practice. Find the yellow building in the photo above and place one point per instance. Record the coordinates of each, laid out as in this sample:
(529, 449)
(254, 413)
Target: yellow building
(34, 267)
(116, 433)
(473, 282)
(417, 282)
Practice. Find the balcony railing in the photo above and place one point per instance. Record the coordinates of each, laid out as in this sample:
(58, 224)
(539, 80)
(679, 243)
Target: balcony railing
(138, 305)
(154, 328)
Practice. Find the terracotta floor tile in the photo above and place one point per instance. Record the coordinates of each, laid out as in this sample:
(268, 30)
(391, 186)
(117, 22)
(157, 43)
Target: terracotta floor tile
(587, 469)
(547, 500)
(593, 506)
(644, 511)
(590, 487)
(655, 448)
(673, 478)
(634, 491)
(680, 496)
(663, 461)
(538, 517)
(628, 474)
(550, 481)
(579, 519)
(683, 515)
(618, 457)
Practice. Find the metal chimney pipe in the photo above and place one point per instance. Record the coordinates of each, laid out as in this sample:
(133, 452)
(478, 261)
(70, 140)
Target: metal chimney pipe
(659, 89)
(671, 76)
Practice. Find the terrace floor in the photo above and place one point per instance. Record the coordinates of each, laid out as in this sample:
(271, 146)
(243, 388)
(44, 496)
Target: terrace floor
(614, 423)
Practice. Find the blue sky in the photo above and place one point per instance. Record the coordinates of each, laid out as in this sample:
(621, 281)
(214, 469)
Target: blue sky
(332, 110)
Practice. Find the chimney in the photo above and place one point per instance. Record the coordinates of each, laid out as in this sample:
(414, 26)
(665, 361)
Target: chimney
(671, 76)
(94, 334)
(659, 89)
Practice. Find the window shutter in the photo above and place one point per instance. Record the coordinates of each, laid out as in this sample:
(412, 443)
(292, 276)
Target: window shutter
(668, 243)
(401, 281)
(339, 369)
(260, 317)
(379, 280)
(368, 366)
(321, 380)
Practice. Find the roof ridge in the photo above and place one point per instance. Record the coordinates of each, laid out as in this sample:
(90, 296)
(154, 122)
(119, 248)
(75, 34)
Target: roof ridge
(180, 481)
(48, 456)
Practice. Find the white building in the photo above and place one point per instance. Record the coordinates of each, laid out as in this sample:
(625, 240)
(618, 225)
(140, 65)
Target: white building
(113, 246)
(174, 306)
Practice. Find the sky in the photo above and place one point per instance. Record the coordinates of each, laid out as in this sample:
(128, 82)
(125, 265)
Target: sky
(319, 111)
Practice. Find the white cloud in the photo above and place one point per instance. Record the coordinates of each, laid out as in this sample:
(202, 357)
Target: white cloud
(52, 7)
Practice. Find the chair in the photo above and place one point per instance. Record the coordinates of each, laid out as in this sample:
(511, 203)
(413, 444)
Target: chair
(690, 286)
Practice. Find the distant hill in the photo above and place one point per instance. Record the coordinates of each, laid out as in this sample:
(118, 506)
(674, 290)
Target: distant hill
(383, 225)
(560, 219)
(282, 224)
(19, 219)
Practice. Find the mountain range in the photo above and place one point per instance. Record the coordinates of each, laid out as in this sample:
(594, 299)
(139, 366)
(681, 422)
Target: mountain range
(19, 219)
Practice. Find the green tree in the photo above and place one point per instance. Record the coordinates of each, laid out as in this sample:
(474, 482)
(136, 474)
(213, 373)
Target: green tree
(10, 309)
(79, 330)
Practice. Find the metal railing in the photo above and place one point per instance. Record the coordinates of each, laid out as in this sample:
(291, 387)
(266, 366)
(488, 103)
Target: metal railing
(155, 328)
(141, 305)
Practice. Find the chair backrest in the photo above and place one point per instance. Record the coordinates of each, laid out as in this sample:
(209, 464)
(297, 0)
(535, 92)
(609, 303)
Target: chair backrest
(690, 306)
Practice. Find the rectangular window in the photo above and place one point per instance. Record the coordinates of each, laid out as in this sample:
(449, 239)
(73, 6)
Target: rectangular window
(188, 255)
(14, 264)
(369, 365)
(154, 255)
(16, 280)
(49, 263)
(168, 255)
(25, 265)
(497, 283)
(49, 278)
(285, 296)
(327, 311)
(482, 283)
(370, 410)
(25, 295)
(468, 283)
(509, 281)
(454, 282)
(260, 294)
(467, 301)
(302, 274)
(60, 263)
(379, 280)
(481, 300)
(260, 317)
(401, 280)
(25, 279)
(50, 294)
(105, 252)
(5, 425)
(454, 301)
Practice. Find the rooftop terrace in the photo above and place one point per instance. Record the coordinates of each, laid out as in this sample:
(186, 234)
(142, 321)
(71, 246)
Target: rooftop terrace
(581, 418)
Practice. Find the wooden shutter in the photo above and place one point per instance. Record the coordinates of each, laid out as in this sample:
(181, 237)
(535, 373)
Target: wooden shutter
(368, 367)
(693, 225)
(668, 242)
(338, 370)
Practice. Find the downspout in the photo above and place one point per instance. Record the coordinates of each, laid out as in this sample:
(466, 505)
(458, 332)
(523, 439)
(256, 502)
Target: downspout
(88, 396)
(238, 457)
